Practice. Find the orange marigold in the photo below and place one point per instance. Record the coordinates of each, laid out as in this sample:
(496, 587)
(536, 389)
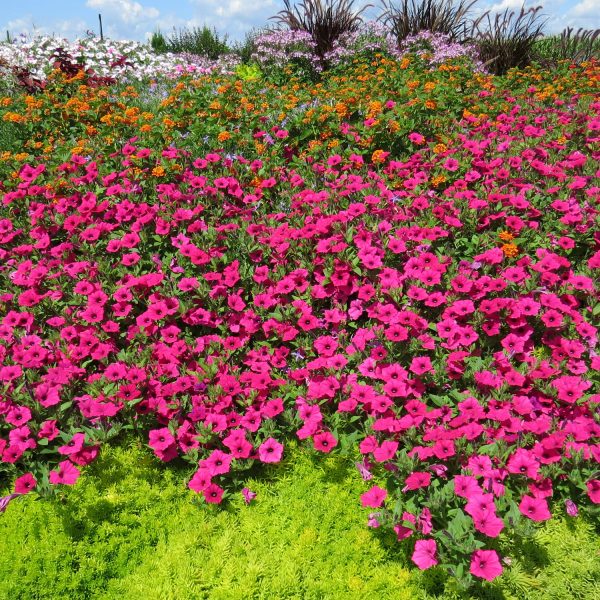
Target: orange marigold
(510, 250)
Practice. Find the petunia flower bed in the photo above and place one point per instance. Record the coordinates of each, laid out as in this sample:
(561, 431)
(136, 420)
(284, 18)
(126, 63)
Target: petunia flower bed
(432, 314)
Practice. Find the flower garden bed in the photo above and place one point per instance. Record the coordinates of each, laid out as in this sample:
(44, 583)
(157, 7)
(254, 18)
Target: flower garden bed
(397, 265)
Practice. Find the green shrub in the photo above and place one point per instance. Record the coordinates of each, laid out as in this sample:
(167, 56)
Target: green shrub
(159, 43)
(575, 47)
(201, 41)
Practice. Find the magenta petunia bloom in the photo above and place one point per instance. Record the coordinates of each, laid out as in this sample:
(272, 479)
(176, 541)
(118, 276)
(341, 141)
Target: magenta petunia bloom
(67, 473)
(25, 483)
(466, 486)
(218, 462)
(488, 523)
(160, 439)
(424, 555)
(485, 564)
(200, 480)
(535, 509)
(374, 497)
(593, 488)
(74, 445)
(386, 451)
(213, 493)
(324, 442)
(417, 480)
(270, 451)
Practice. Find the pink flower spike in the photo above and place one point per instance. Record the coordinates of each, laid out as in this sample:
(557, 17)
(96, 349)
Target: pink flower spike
(374, 497)
(485, 564)
(424, 555)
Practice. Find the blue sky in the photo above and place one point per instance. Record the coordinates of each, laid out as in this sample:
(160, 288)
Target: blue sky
(137, 19)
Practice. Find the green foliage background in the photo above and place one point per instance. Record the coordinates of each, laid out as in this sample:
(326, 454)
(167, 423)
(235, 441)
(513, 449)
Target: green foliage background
(131, 529)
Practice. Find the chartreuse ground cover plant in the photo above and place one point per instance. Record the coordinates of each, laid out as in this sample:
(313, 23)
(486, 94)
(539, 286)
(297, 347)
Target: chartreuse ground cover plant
(129, 529)
(392, 263)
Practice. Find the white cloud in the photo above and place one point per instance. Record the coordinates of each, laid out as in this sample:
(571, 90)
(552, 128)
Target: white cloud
(585, 15)
(127, 11)
(66, 28)
(587, 8)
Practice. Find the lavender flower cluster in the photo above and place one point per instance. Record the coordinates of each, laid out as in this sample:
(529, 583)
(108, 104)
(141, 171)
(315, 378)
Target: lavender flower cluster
(437, 48)
(279, 48)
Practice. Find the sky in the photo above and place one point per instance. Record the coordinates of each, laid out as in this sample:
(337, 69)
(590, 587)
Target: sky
(136, 20)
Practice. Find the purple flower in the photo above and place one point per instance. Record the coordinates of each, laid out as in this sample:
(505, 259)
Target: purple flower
(364, 471)
(5, 500)
(571, 507)
(248, 495)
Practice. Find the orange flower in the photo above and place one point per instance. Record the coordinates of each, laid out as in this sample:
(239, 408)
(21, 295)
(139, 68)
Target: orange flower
(439, 148)
(13, 117)
(506, 236)
(223, 136)
(379, 156)
(510, 250)
(158, 171)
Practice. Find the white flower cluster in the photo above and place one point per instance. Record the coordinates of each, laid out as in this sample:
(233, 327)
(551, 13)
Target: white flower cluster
(121, 60)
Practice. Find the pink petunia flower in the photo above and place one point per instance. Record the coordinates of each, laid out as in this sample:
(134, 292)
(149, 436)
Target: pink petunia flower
(25, 483)
(424, 555)
(485, 564)
(67, 473)
(324, 442)
(374, 497)
(535, 509)
(270, 451)
(200, 480)
(417, 480)
(213, 493)
(217, 463)
(593, 490)
(386, 451)
(74, 445)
